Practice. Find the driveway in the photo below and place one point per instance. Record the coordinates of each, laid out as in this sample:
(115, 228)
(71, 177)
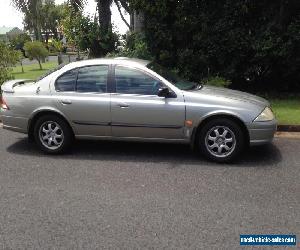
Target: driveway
(133, 195)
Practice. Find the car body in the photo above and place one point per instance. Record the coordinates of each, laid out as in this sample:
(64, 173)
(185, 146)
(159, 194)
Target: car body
(126, 99)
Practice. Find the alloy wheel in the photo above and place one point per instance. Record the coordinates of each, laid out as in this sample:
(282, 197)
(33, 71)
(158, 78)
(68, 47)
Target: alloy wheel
(220, 141)
(51, 135)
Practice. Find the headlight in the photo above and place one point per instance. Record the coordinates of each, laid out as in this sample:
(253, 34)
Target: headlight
(266, 115)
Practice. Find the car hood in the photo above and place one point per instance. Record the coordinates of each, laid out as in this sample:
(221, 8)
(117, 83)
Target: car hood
(233, 94)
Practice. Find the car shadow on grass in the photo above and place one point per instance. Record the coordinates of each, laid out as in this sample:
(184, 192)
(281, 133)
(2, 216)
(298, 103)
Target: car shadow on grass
(176, 154)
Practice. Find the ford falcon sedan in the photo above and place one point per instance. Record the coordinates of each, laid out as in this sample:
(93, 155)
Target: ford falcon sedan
(136, 100)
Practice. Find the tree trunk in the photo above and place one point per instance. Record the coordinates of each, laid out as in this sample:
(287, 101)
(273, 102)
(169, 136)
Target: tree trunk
(121, 15)
(132, 21)
(21, 62)
(104, 13)
(59, 58)
(138, 19)
(39, 60)
(38, 21)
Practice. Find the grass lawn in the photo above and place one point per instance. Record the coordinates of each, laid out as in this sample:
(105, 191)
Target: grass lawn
(287, 111)
(32, 71)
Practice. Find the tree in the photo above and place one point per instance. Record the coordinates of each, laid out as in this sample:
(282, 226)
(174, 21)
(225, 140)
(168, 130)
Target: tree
(104, 15)
(59, 47)
(76, 5)
(36, 50)
(20, 57)
(104, 12)
(32, 12)
(254, 44)
(19, 41)
(119, 5)
(51, 15)
(86, 34)
(8, 58)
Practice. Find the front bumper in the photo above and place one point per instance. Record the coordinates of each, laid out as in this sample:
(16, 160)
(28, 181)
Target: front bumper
(261, 132)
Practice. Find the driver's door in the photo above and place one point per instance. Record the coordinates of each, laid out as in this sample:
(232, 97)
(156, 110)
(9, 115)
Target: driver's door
(137, 111)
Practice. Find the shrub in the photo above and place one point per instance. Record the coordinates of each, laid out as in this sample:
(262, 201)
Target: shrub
(17, 42)
(36, 50)
(135, 47)
(216, 81)
(8, 58)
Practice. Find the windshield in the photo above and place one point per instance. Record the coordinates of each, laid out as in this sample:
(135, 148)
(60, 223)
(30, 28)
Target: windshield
(50, 71)
(173, 78)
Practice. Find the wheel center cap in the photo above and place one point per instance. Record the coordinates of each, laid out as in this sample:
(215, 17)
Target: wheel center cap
(220, 140)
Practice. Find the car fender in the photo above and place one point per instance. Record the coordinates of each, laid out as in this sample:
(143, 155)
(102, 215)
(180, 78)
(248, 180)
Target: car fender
(48, 109)
(218, 113)
(208, 115)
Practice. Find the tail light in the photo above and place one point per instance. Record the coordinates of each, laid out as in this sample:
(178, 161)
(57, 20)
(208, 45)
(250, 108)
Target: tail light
(3, 104)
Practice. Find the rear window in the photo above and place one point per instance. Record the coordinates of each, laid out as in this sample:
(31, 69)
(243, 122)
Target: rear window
(92, 79)
(67, 81)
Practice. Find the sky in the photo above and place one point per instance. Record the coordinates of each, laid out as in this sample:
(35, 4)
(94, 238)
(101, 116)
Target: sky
(10, 17)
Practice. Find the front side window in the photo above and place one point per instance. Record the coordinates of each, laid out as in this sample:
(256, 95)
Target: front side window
(92, 79)
(132, 81)
(67, 81)
(173, 77)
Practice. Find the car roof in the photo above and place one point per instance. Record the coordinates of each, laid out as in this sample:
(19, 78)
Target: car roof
(117, 60)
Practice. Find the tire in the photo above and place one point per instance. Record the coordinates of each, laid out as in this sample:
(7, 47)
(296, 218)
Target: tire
(218, 145)
(52, 134)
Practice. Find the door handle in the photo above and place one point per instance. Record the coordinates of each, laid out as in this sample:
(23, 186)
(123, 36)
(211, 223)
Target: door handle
(123, 105)
(66, 102)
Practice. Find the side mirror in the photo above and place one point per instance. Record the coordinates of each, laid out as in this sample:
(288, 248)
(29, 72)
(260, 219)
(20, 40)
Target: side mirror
(165, 92)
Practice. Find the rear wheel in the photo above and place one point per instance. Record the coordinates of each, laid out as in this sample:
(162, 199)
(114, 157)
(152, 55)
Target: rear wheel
(221, 140)
(52, 134)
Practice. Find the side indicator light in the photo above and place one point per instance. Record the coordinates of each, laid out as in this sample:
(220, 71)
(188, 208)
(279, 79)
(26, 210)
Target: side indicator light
(188, 123)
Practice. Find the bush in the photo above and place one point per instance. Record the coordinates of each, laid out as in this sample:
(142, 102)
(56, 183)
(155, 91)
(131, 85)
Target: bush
(17, 42)
(135, 47)
(216, 81)
(8, 58)
(255, 44)
(85, 33)
(36, 50)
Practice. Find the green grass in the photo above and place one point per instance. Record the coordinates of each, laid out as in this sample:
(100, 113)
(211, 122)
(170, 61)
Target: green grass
(32, 71)
(287, 111)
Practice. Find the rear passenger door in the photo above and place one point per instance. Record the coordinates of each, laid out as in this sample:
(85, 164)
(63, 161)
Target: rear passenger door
(83, 97)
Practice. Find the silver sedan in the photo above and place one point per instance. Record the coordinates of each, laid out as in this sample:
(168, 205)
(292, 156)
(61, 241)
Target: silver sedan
(131, 99)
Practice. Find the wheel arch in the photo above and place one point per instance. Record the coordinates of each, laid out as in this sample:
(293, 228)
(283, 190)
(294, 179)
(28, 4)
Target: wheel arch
(39, 113)
(208, 118)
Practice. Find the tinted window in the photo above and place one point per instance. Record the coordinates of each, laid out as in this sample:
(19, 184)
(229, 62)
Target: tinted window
(131, 81)
(67, 81)
(92, 79)
(173, 77)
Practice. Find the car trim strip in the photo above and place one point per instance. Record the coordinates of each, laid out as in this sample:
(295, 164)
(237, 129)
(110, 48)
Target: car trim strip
(126, 125)
(90, 123)
(145, 125)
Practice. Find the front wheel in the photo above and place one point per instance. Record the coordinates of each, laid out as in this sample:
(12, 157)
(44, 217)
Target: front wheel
(221, 140)
(52, 134)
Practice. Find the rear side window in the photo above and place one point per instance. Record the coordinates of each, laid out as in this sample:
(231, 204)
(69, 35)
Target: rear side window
(92, 79)
(67, 81)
